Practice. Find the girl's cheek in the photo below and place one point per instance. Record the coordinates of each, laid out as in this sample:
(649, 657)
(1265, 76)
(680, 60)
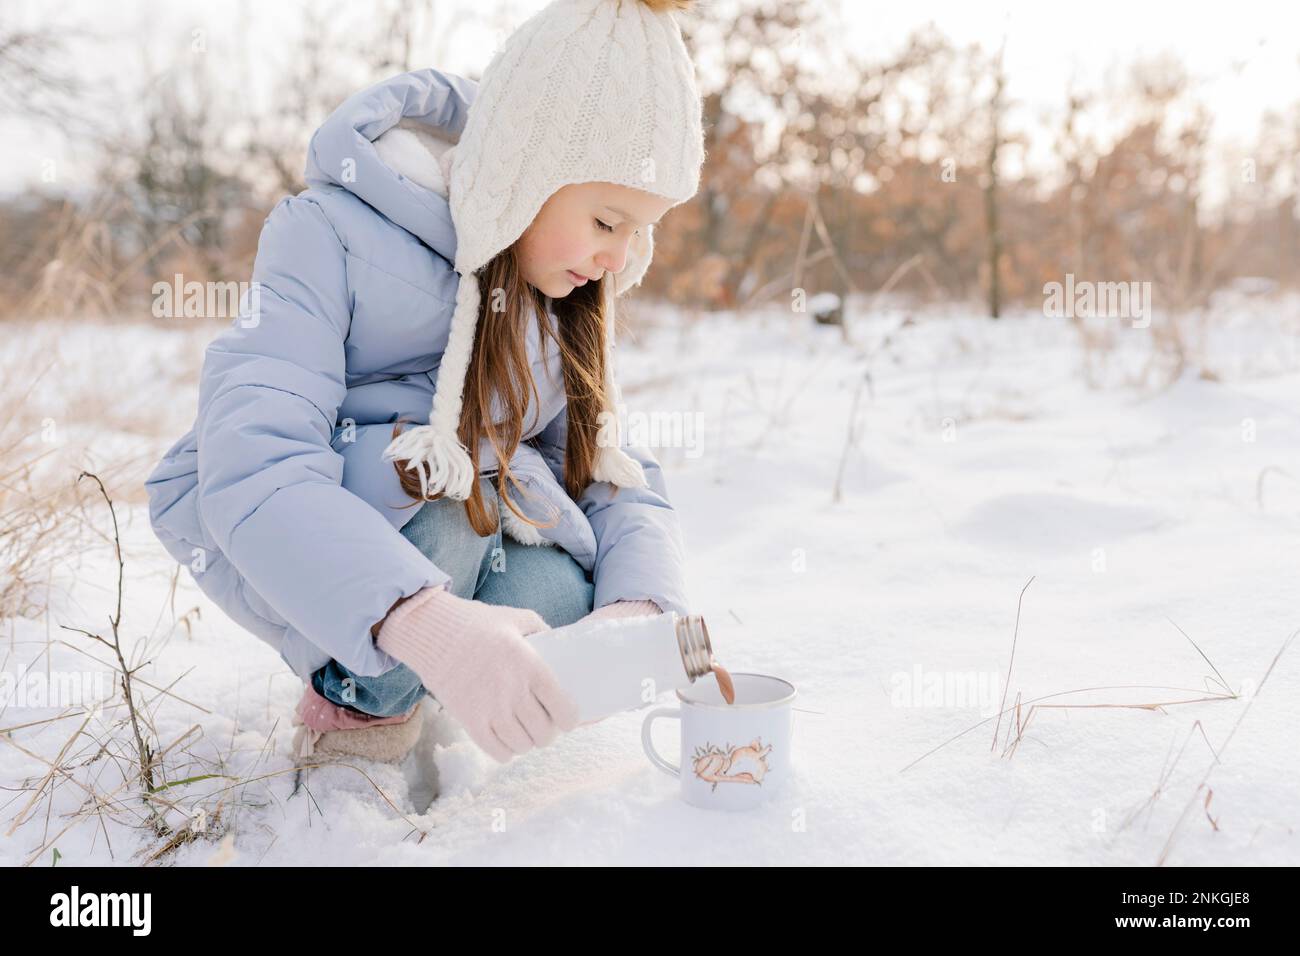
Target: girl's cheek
(566, 251)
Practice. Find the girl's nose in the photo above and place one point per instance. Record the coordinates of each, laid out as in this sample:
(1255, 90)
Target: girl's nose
(613, 260)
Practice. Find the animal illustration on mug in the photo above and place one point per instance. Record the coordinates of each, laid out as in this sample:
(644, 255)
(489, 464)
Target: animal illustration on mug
(714, 765)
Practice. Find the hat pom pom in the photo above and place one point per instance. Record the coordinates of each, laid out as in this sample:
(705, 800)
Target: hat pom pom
(441, 461)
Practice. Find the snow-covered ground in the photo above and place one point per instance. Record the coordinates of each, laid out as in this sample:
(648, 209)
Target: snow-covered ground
(977, 460)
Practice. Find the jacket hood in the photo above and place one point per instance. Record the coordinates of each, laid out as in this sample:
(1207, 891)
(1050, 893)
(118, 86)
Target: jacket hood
(392, 145)
(401, 176)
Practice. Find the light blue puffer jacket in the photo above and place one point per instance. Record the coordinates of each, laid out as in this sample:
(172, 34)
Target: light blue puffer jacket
(278, 499)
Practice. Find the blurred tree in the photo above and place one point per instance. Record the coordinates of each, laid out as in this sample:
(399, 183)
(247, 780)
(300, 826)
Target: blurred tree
(37, 78)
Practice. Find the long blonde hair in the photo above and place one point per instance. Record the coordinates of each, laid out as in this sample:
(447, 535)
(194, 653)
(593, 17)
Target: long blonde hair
(499, 365)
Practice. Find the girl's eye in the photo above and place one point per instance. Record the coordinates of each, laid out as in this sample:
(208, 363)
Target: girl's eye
(605, 226)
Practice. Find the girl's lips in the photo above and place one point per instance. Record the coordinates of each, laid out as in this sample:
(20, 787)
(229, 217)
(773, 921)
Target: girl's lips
(576, 279)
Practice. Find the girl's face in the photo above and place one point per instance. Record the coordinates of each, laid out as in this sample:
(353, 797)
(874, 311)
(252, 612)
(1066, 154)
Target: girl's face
(583, 231)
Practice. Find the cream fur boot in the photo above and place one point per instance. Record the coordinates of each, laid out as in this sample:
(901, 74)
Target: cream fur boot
(385, 743)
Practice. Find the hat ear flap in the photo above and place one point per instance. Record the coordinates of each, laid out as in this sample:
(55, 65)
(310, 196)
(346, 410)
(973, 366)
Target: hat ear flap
(639, 253)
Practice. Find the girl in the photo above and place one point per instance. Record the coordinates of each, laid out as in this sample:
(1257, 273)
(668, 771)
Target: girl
(449, 234)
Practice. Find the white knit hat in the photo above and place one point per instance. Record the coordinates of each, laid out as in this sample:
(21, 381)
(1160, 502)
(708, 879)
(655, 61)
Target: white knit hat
(583, 91)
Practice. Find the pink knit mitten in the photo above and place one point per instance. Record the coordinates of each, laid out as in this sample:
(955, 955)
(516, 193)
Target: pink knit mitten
(624, 609)
(474, 659)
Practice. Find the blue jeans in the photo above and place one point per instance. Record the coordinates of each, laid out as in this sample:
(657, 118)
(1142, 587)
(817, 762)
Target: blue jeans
(494, 570)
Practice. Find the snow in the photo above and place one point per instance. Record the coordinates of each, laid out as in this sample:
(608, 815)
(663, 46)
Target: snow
(981, 458)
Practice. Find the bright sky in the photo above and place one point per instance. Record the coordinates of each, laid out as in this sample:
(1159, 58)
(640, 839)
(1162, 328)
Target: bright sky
(1245, 56)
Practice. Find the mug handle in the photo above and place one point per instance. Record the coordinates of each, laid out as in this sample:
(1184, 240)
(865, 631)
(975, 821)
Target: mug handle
(672, 713)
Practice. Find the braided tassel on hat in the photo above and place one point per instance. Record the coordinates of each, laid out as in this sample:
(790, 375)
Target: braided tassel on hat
(435, 451)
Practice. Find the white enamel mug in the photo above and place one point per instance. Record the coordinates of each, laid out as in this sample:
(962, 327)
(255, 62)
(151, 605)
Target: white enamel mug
(734, 756)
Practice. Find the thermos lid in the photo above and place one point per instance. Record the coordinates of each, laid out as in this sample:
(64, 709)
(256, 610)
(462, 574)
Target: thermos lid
(693, 642)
